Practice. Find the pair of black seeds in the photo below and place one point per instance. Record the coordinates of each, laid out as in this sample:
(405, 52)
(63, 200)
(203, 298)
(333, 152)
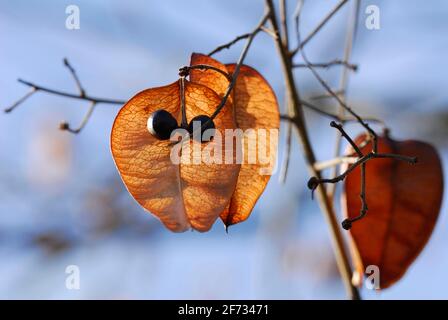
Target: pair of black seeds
(161, 124)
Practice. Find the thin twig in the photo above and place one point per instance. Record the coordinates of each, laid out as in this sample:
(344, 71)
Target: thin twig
(229, 44)
(238, 66)
(325, 95)
(326, 65)
(297, 12)
(286, 154)
(364, 206)
(66, 125)
(347, 223)
(369, 130)
(185, 71)
(349, 41)
(72, 70)
(322, 165)
(285, 42)
(318, 27)
(287, 150)
(337, 117)
(284, 24)
(21, 100)
(269, 32)
(289, 108)
(184, 123)
(315, 181)
(236, 71)
(81, 96)
(347, 137)
(70, 95)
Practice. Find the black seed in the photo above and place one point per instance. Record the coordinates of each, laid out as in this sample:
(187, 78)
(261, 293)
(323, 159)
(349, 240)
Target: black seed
(204, 122)
(161, 124)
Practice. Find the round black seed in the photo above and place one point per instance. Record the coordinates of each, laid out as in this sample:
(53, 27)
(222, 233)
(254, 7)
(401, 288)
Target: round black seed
(204, 122)
(161, 124)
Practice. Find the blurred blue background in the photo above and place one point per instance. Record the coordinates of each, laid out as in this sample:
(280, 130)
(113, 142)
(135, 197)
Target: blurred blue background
(63, 203)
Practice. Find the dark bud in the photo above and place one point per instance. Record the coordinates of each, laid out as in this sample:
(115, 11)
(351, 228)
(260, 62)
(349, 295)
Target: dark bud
(184, 71)
(161, 124)
(63, 126)
(198, 125)
(313, 183)
(346, 224)
(334, 124)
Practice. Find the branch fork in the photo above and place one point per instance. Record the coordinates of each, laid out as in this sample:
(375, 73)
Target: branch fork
(94, 101)
(362, 160)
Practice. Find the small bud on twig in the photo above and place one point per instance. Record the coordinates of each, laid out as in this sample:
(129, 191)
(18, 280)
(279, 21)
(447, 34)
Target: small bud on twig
(313, 183)
(63, 126)
(346, 224)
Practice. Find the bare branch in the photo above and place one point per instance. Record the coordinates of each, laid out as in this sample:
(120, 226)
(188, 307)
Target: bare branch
(70, 95)
(269, 32)
(238, 66)
(298, 11)
(21, 100)
(319, 26)
(350, 38)
(284, 38)
(72, 70)
(369, 130)
(325, 95)
(286, 154)
(295, 109)
(66, 125)
(185, 71)
(287, 151)
(184, 123)
(80, 96)
(330, 91)
(319, 166)
(232, 83)
(229, 44)
(314, 181)
(347, 137)
(284, 24)
(347, 223)
(327, 65)
(337, 117)
(349, 41)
